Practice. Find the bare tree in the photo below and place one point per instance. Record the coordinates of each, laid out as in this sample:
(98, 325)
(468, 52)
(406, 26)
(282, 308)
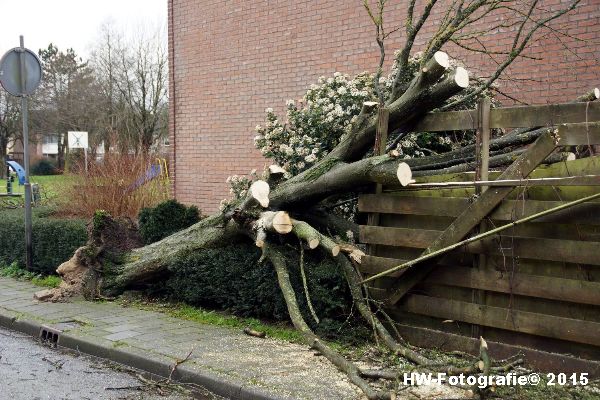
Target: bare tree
(67, 96)
(105, 62)
(142, 84)
(10, 130)
(132, 73)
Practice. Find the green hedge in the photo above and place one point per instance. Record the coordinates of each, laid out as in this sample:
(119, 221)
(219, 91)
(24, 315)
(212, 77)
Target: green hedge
(231, 279)
(165, 219)
(54, 240)
(44, 167)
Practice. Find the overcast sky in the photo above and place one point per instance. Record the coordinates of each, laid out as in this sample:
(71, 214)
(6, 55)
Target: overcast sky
(72, 23)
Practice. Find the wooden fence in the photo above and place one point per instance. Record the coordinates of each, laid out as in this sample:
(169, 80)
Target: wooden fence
(536, 285)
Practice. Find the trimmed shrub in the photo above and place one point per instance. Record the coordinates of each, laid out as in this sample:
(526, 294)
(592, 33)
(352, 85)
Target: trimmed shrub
(165, 219)
(54, 240)
(44, 167)
(232, 279)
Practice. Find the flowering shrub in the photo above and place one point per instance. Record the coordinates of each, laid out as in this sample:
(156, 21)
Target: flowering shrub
(313, 126)
(238, 187)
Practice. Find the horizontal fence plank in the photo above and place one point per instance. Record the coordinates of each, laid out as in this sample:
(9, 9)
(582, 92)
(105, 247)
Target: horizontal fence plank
(512, 117)
(587, 180)
(576, 134)
(572, 290)
(392, 204)
(540, 357)
(565, 229)
(447, 121)
(544, 115)
(521, 321)
(402, 237)
(508, 210)
(372, 265)
(573, 251)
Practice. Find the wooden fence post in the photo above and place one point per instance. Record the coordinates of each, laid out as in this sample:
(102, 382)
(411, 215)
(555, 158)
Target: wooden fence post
(482, 155)
(381, 136)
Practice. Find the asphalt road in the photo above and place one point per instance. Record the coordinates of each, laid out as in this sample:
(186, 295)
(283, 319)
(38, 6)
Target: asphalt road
(33, 371)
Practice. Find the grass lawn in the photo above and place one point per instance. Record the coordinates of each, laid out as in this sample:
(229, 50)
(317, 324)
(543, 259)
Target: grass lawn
(13, 271)
(51, 187)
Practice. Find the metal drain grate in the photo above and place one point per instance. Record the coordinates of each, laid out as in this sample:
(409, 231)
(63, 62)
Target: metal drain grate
(49, 335)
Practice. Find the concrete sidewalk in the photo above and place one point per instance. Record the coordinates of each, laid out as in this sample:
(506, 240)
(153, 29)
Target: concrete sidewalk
(224, 360)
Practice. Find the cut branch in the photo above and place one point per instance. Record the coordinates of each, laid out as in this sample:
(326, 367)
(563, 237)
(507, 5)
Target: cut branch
(271, 221)
(310, 235)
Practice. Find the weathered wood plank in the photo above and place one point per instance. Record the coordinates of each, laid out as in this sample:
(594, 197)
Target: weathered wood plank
(540, 249)
(381, 137)
(447, 121)
(373, 265)
(587, 180)
(511, 117)
(566, 227)
(587, 213)
(392, 204)
(576, 134)
(476, 211)
(403, 237)
(521, 321)
(538, 305)
(572, 290)
(377, 293)
(524, 247)
(544, 115)
(538, 358)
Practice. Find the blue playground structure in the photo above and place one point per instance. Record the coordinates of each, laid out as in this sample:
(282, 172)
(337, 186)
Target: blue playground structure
(20, 171)
(158, 170)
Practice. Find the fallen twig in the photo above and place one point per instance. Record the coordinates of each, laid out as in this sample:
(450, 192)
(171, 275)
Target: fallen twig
(252, 332)
(179, 362)
(133, 387)
(56, 364)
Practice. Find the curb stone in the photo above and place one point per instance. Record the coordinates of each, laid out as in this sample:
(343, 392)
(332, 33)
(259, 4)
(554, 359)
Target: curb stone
(131, 359)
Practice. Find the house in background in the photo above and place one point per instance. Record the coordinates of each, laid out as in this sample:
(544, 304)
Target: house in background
(231, 60)
(49, 146)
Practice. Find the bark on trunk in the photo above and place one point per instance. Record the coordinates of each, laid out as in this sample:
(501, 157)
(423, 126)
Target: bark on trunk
(150, 262)
(3, 155)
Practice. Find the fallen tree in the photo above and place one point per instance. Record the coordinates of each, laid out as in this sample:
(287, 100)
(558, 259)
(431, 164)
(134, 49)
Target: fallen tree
(279, 209)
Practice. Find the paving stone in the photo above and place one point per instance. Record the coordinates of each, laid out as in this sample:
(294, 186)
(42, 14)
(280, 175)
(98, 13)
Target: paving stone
(121, 328)
(122, 335)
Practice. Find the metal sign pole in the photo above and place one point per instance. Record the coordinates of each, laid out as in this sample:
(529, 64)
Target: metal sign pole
(25, 115)
(20, 75)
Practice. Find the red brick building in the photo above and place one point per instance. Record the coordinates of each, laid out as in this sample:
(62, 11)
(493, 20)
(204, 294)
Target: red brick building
(229, 60)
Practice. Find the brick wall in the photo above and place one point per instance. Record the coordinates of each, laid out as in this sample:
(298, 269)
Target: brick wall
(231, 59)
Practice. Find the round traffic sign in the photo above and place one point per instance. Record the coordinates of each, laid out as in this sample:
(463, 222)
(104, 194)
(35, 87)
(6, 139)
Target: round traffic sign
(10, 71)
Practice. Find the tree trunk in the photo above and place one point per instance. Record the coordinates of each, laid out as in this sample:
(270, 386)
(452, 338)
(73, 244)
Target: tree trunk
(150, 262)
(3, 157)
(62, 146)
